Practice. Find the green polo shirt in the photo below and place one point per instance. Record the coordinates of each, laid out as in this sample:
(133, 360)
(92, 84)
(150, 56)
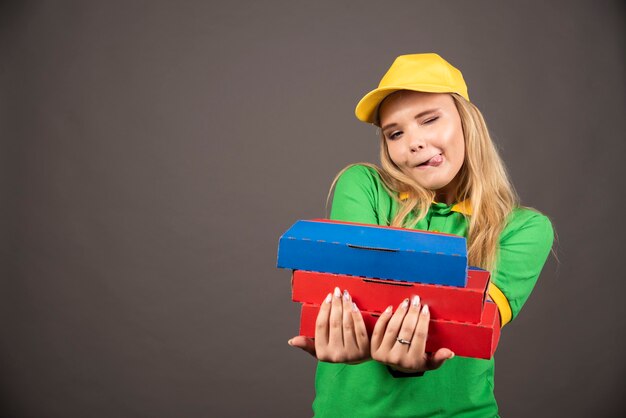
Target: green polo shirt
(462, 386)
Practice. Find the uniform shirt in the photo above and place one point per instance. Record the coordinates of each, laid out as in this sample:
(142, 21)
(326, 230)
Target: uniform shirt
(462, 386)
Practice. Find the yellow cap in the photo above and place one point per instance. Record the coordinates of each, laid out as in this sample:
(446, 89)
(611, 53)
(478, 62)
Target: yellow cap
(418, 72)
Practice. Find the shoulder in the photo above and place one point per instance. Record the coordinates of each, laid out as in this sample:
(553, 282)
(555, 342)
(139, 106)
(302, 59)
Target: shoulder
(528, 223)
(359, 174)
(361, 179)
(360, 196)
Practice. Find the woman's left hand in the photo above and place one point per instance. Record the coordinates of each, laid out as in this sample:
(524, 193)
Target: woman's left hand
(399, 339)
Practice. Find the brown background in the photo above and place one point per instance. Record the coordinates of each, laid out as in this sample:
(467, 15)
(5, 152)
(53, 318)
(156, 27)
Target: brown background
(153, 153)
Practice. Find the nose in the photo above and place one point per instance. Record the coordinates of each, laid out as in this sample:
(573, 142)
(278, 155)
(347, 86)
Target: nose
(416, 141)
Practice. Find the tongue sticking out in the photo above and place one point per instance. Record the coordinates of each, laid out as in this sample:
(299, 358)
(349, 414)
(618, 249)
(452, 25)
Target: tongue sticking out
(434, 162)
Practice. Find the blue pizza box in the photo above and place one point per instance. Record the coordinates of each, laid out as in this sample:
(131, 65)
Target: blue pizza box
(374, 251)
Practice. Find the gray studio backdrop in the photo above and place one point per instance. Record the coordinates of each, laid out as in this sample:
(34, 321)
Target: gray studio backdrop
(153, 153)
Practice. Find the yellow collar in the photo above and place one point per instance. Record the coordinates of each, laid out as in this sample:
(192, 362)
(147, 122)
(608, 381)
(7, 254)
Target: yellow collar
(464, 207)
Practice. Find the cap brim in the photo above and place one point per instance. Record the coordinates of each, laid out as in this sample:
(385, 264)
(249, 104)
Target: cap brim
(366, 108)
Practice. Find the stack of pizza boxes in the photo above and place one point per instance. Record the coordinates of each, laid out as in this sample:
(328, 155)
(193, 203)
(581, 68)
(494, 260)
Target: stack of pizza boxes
(381, 266)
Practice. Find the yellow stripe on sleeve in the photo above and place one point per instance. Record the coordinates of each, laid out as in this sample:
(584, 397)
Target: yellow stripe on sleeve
(502, 302)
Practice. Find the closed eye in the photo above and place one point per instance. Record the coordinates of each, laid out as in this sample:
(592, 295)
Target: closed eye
(431, 120)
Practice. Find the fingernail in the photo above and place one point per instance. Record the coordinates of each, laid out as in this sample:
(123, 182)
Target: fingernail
(328, 298)
(354, 308)
(405, 303)
(451, 355)
(415, 301)
(389, 309)
(289, 342)
(337, 292)
(346, 295)
(425, 309)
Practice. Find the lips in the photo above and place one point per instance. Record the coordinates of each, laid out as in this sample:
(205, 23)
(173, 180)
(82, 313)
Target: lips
(434, 161)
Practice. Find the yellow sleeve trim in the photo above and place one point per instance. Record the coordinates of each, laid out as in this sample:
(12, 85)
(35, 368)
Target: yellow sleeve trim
(502, 302)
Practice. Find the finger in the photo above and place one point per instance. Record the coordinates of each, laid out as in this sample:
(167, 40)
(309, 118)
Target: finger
(393, 328)
(434, 361)
(418, 342)
(335, 332)
(321, 323)
(360, 330)
(380, 328)
(304, 343)
(349, 339)
(407, 328)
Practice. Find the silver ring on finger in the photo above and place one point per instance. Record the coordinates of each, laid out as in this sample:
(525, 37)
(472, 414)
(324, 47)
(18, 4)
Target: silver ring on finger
(403, 341)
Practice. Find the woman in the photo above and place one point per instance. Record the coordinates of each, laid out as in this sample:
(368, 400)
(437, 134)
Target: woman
(439, 172)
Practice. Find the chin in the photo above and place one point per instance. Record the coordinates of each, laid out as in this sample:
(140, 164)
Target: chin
(434, 187)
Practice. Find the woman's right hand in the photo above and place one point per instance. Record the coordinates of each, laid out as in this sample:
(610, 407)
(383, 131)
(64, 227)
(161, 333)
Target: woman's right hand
(340, 333)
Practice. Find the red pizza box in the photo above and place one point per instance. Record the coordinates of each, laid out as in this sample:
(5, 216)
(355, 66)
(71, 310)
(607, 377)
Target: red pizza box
(464, 339)
(463, 304)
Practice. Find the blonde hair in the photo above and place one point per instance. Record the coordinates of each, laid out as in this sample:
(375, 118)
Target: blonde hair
(483, 181)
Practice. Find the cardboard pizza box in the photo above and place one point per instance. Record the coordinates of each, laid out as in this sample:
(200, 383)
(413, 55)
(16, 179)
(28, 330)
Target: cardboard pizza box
(374, 252)
(464, 304)
(464, 339)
